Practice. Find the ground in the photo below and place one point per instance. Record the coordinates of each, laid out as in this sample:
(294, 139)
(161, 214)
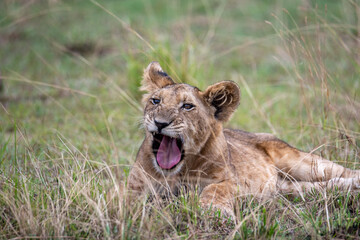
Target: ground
(70, 112)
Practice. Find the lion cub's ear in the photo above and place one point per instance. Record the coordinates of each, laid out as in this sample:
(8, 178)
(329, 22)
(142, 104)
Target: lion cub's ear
(225, 97)
(155, 78)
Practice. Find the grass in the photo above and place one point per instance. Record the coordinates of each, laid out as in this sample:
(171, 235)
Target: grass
(70, 110)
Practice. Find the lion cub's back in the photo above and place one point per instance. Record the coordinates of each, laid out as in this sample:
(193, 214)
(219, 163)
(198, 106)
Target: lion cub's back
(256, 142)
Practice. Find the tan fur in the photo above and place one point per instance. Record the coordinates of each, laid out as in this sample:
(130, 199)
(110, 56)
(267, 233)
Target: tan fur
(225, 163)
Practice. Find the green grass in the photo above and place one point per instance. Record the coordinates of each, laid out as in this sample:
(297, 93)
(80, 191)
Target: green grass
(70, 112)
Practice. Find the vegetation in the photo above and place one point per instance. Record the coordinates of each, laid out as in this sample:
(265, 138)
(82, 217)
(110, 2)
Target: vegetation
(70, 111)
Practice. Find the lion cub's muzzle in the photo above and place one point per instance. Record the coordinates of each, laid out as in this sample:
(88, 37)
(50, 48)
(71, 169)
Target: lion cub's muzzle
(168, 150)
(161, 125)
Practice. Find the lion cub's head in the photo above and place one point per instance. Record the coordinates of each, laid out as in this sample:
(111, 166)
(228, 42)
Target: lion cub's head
(179, 119)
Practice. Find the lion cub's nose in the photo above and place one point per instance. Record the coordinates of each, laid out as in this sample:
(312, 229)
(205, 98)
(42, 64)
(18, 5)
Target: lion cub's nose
(161, 125)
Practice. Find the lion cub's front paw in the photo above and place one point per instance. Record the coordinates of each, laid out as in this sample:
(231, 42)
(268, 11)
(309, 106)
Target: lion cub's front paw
(226, 211)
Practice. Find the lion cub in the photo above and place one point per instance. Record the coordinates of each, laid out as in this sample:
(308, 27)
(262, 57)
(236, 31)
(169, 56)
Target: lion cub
(185, 143)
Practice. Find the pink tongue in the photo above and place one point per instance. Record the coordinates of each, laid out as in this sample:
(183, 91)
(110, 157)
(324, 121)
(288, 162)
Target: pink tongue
(168, 154)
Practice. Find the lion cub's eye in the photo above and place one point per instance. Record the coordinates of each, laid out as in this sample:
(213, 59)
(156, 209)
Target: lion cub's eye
(188, 106)
(155, 101)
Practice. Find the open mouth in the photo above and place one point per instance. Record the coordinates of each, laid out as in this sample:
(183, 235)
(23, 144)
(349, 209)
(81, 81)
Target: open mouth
(168, 151)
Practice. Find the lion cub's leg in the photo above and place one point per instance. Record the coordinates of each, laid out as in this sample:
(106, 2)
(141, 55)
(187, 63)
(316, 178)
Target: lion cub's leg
(303, 166)
(219, 196)
(298, 188)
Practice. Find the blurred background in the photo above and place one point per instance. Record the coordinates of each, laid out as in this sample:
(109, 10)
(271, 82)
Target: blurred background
(70, 73)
